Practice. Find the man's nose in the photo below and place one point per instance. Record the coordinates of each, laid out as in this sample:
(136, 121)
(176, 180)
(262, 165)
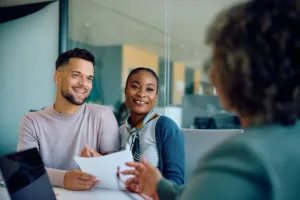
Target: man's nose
(80, 81)
(83, 82)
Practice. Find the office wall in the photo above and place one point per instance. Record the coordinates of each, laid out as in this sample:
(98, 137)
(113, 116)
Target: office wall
(189, 80)
(197, 80)
(108, 70)
(133, 57)
(29, 48)
(178, 82)
(109, 65)
(165, 93)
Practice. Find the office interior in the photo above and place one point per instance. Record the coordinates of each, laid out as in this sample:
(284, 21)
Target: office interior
(164, 35)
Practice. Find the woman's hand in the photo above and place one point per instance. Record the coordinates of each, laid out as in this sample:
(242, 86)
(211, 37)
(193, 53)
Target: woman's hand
(146, 177)
(89, 152)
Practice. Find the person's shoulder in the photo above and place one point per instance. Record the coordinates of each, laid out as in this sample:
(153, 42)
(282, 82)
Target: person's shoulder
(37, 115)
(122, 127)
(258, 143)
(267, 135)
(166, 122)
(235, 153)
(266, 139)
(122, 130)
(98, 110)
(242, 140)
(166, 128)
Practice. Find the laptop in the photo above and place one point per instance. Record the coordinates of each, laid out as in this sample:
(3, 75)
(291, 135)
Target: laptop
(25, 176)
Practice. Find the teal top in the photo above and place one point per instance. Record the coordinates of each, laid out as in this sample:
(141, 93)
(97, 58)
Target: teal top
(261, 164)
(162, 143)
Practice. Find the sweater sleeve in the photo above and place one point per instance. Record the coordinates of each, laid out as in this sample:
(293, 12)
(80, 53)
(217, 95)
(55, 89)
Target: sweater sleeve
(27, 140)
(171, 147)
(109, 140)
(56, 176)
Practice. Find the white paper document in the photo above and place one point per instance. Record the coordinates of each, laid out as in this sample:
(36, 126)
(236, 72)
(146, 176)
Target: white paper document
(105, 168)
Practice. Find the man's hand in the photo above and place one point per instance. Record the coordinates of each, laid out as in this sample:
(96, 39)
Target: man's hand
(78, 180)
(89, 152)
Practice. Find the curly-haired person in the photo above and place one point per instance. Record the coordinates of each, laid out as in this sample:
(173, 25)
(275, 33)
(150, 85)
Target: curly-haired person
(256, 72)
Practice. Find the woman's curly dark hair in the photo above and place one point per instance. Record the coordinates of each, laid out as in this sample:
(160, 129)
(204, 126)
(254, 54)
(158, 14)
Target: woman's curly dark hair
(257, 48)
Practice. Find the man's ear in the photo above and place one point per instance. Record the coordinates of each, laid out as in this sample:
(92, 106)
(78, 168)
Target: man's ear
(57, 77)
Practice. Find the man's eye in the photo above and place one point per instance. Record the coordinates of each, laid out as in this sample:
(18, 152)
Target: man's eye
(75, 75)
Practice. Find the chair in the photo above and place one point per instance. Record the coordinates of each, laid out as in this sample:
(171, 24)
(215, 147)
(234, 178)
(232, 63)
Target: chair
(205, 123)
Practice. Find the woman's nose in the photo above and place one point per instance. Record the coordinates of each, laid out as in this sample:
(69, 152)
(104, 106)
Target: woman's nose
(141, 93)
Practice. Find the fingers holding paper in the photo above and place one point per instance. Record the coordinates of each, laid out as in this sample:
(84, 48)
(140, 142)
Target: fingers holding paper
(85, 152)
(78, 180)
(106, 168)
(88, 152)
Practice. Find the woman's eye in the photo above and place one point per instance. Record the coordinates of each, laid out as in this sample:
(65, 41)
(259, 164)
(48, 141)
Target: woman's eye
(150, 89)
(134, 86)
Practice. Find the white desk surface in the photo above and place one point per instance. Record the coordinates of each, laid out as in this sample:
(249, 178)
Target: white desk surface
(93, 194)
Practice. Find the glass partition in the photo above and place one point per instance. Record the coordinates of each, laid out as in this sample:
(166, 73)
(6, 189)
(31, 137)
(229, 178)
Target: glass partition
(191, 90)
(164, 35)
(123, 35)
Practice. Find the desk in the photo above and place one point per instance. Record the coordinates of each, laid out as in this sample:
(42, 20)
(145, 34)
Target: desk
(93, 194)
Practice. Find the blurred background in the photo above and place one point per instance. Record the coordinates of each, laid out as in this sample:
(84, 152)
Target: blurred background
(164, 35)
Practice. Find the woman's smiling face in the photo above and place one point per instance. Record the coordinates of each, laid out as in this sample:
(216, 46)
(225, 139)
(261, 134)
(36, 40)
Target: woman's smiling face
(141, 92)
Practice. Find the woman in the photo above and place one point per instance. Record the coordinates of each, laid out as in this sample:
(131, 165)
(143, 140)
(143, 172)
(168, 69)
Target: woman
(256, 72)
(148, 134)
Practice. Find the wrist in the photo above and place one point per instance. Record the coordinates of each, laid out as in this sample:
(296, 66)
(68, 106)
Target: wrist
(158, 179)
(154, 196)
(65, 179)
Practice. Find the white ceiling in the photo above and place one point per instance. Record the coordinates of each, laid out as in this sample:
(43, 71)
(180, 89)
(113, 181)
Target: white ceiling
(141, 23)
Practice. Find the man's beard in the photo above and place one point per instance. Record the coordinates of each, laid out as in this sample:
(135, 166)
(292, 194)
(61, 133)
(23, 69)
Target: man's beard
(71, 98)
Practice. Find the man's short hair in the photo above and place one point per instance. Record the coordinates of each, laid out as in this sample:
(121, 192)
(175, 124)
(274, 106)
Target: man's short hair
(74, 53)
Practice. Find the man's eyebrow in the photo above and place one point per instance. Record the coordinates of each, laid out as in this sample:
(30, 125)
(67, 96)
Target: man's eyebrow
(78, 72)
(74, 71)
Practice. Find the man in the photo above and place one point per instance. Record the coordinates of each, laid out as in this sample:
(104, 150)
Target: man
(63, 129)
